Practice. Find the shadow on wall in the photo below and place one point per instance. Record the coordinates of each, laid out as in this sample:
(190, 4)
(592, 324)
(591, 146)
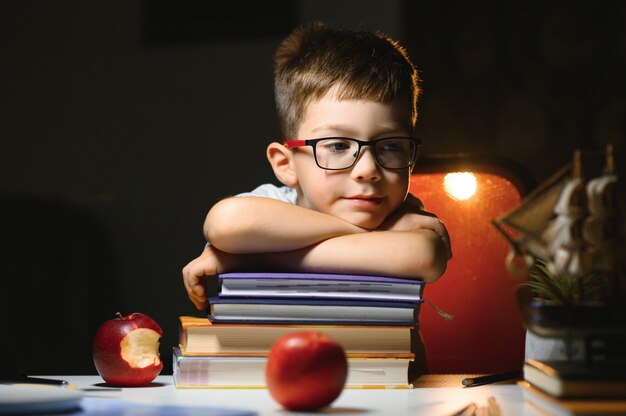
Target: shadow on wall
(58, 285)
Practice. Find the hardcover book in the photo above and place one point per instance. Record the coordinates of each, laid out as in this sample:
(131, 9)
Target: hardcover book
(577, 379)
(249, 372)
(200, 336)
(312, 311)
(318, 285)
(538, 402)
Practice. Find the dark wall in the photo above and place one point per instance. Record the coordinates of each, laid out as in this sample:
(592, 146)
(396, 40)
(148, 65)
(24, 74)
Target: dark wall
(139, 136)
(113, 144)
(528, 80)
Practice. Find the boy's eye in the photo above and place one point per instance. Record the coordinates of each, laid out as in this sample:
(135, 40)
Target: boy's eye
(393, 146)
(335, 145)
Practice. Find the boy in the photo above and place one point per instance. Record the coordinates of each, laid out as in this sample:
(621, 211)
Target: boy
(347, 105)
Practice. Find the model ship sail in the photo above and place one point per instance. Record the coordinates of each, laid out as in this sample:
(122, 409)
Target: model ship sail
(524, 226)
(568, 224)
(564, 254)
(601, 227)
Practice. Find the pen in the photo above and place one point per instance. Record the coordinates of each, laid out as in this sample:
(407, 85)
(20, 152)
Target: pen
(492, 378)
(23, 378)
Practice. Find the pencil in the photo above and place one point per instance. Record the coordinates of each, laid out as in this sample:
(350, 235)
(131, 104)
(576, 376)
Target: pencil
(489, 379)
(24, 379)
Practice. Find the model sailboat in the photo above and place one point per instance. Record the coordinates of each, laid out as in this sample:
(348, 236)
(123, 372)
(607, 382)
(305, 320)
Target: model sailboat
(570, 230)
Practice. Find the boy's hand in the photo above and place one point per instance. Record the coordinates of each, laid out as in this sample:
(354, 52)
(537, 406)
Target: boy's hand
(411, 216)
(209, 263)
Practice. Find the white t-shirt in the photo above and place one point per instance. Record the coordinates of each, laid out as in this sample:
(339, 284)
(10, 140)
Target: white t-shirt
(268, 190)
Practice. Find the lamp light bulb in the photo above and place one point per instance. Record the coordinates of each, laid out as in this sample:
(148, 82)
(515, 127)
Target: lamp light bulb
(460, 185)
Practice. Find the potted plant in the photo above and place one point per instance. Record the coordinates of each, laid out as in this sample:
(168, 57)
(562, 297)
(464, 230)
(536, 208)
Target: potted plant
(557, 305)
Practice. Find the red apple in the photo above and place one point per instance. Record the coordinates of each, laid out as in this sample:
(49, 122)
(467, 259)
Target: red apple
(126, 350)
(306, 370)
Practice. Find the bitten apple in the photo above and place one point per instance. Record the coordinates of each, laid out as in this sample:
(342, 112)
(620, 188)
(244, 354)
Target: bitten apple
(126, 350)
(306, 370)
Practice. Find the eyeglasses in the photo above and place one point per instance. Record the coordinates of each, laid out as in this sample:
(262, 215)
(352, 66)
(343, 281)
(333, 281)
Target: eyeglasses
(338, 153)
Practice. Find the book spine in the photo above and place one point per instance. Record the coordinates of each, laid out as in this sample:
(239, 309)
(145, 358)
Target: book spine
(185, 353)
(287, 321)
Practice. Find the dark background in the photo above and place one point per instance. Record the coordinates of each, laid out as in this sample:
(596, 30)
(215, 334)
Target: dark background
(123, 122)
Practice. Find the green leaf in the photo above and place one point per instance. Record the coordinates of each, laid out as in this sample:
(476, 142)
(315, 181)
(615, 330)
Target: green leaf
(566, 289)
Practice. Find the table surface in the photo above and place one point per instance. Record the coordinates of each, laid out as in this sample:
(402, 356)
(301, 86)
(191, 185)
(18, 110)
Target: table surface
(422, 400)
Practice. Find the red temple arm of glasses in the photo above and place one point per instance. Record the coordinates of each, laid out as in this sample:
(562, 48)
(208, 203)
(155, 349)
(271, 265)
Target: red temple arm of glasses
(290, 144)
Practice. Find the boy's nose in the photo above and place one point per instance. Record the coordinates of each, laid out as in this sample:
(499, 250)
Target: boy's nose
(366, 167)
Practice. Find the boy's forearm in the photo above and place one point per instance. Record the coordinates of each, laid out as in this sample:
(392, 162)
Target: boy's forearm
(417, 254)
(245, 225)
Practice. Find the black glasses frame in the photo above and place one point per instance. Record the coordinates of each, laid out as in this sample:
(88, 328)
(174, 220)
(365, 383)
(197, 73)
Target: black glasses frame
(290, 144)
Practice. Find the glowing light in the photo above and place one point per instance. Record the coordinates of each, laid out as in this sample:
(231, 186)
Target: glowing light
(460, 185)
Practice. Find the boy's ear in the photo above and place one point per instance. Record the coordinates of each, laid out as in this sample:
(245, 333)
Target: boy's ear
(281, 160)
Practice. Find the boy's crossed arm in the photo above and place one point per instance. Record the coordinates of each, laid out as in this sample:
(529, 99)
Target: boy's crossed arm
(253, 232)
(244, 225)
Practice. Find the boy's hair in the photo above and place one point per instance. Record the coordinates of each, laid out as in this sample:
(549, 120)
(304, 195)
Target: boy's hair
(315, 58)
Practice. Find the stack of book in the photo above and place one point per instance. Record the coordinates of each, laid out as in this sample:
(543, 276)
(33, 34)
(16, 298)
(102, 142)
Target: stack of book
(373, 318)
(574, 387)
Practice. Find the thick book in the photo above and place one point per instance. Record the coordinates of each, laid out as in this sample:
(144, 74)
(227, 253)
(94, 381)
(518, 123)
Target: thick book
(249, 372)
(311, 311)
(200, 336)
(538, 402)
(577, 379)
(319, 285)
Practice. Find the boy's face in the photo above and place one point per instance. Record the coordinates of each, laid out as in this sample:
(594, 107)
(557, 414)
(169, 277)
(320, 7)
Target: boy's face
(365, 194)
